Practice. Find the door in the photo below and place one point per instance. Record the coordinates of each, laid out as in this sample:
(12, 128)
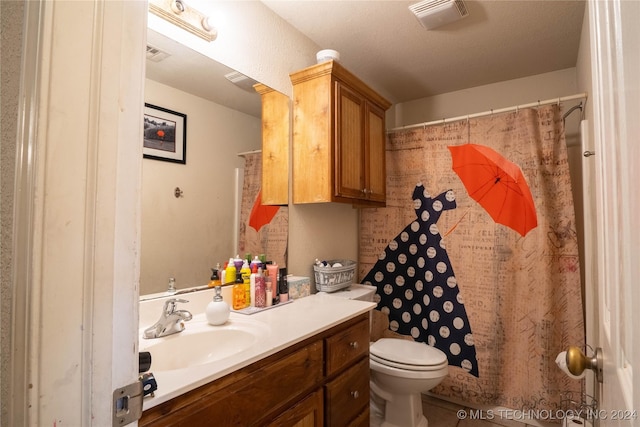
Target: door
(77, 211)
(615, 59)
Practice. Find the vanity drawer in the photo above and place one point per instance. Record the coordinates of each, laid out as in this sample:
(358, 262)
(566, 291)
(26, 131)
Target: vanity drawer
(343, 348)
(347, 396)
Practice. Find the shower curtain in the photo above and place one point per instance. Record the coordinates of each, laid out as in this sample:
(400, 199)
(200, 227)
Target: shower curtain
(270, 239)
(521, 295)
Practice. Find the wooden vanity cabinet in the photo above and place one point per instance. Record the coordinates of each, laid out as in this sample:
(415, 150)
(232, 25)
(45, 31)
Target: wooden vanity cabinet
(322, 381)
(338, 138)
(275, 145)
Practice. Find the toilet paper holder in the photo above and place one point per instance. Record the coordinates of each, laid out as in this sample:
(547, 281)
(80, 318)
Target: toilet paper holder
(577, 362)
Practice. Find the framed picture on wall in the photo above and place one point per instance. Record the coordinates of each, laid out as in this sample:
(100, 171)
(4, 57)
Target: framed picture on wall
(165, 134)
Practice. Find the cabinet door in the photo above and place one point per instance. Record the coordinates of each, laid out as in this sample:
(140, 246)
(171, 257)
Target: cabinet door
(374, 154)
(275, 146)
(307, 413)
(349, 143)
(347, 396)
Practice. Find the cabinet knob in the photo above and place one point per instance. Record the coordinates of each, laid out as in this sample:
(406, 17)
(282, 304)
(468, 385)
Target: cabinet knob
(354, 344)
(355, 394)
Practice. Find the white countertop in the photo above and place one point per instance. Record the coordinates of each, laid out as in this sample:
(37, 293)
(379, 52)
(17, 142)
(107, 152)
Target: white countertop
(281, 326)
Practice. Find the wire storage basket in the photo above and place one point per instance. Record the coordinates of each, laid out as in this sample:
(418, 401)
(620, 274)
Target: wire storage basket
(331, 279)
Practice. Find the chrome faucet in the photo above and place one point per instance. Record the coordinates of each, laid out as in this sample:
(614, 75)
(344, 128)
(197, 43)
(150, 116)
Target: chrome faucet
(171, 320)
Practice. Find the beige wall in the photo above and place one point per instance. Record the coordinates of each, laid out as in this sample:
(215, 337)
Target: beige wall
(485, 98)
(184, 237)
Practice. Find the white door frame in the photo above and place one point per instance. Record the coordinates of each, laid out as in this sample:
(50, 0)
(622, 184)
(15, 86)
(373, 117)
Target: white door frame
(77, 210)
(615, 63)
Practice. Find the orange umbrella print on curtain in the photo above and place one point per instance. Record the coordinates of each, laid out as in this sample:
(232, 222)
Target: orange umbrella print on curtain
(261, 215)
(497, 184)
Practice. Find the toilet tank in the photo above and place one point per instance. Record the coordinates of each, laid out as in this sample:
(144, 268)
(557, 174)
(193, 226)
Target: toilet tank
(357, 292)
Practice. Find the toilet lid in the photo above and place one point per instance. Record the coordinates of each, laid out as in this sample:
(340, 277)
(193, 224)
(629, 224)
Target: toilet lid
(407, 352)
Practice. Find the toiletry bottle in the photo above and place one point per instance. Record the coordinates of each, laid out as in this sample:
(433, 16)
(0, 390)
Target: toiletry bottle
(252, 285)
(256, 262)
(283, 287)
(261, 296)
(171, 289)
(217, 311)
(215, 277)
(245, 272)
(230, 272)
(238, 294)
(237, 261)
(268, 291)
(223, 273)
(272, 269)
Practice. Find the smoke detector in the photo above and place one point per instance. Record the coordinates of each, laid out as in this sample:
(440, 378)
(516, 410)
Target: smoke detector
(436, 13)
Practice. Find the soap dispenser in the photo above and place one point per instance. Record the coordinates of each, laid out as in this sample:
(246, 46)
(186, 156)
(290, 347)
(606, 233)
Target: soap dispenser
(217, 310)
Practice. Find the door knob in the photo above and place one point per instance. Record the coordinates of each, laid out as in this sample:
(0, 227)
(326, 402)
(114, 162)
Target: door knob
(577, 362)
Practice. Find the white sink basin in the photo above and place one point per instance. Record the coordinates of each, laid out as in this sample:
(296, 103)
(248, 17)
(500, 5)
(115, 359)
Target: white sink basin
(201, 343)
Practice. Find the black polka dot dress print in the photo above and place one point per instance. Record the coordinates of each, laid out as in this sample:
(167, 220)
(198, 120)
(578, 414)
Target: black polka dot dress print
(418, 289)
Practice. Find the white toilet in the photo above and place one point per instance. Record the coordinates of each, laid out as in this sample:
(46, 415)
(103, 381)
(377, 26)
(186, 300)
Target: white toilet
(400, 371)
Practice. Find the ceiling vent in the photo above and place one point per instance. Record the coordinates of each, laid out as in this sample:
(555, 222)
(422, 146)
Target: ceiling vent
(436, 13)
(156, 55)
(240, 80)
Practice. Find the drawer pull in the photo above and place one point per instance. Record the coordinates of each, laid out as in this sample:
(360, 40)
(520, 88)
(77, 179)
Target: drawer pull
(355, 394)
(354, 344)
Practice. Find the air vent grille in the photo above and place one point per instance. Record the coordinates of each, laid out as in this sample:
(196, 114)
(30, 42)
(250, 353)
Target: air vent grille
(155, 54)
(462, 8)
(435, 13)
(241, 80)
(429, 5)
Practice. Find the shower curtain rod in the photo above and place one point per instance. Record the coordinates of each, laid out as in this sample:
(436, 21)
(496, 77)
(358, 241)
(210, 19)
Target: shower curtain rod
(490, 112)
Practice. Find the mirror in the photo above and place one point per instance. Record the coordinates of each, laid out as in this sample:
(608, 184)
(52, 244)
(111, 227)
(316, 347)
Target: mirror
(186, 232)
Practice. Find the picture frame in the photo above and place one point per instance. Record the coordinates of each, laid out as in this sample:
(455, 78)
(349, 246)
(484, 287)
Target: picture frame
(164, 134)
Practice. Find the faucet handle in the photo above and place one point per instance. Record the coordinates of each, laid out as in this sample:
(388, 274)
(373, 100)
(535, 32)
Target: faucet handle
(171, 304)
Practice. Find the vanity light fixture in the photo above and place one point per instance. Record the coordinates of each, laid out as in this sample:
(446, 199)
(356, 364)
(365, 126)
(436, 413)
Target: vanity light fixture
(179, 13)
(178, 6)
(206, 24)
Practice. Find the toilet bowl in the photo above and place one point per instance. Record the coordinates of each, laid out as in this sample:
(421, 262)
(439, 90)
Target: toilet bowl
(401, 370)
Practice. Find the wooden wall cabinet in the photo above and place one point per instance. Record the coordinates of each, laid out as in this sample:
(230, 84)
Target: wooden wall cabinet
(322, 381)
(338, 138)
(275, 145)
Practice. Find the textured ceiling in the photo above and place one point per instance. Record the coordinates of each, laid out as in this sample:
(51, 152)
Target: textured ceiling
(384, 44)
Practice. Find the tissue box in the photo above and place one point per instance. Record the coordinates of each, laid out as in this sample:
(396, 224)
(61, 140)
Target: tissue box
(299, 286)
